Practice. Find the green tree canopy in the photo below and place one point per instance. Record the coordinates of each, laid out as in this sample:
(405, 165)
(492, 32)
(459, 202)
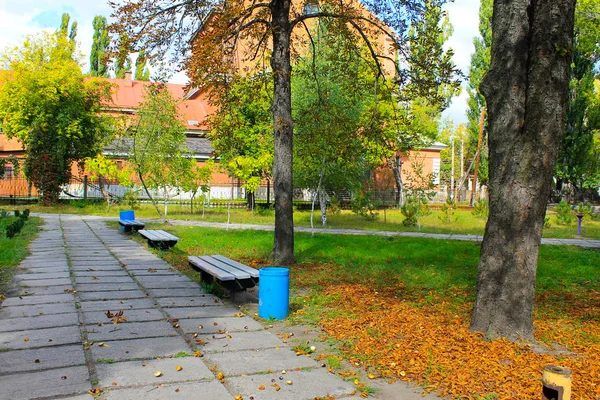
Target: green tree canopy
(142, 73)
(98, 53)
(46, 104)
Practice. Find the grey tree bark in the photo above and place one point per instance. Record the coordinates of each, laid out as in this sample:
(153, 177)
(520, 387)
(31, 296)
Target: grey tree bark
(283, 244)
(526, 91)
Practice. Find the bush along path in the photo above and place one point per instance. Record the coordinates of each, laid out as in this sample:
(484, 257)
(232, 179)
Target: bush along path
(98, 313)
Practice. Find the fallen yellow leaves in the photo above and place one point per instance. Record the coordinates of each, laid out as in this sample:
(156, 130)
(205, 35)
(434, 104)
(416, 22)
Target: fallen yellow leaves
(431, 345)
(158, 374)
(178, 368)
(116, 318)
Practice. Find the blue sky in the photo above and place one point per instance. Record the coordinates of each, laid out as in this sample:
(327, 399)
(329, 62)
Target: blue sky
(19, 18)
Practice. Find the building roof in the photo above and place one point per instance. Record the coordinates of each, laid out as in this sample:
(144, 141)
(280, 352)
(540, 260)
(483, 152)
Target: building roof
(194, 106)
(200, 147)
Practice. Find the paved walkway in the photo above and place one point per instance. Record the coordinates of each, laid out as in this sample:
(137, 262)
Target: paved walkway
(57, 342)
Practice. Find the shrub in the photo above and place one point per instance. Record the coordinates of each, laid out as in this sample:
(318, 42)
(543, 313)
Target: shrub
(448, 210)
(563, 213)
(547, 223)
(17, 213)
(334, 205)
(26, 213)
(364, 205)
(481, 209)
(14, 228)
(410, 210)
(3, 213)
(584, 209)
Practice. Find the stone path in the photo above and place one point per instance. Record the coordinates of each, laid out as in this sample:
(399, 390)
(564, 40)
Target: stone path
(57, 342)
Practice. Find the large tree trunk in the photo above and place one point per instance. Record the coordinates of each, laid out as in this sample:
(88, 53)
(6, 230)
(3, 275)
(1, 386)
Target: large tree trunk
(526, 91)
(283, 246)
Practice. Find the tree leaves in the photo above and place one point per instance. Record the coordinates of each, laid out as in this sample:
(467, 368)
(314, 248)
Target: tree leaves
(430, 344)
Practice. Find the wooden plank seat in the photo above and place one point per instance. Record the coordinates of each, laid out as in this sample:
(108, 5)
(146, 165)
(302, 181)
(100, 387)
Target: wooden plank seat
(159, 238)
(230, 274)
(131, 224)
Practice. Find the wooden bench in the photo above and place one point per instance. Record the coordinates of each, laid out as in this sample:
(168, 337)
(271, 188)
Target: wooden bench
(230, 274)
(131, 224)
(159, 239)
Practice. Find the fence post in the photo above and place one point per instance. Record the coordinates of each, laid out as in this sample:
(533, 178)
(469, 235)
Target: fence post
(85, 186)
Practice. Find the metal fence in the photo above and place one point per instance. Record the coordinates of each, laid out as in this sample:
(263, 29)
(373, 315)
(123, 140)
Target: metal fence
(19, 189)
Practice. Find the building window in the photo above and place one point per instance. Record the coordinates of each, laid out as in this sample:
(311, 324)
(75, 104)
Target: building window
(435, 170)
(311, 7)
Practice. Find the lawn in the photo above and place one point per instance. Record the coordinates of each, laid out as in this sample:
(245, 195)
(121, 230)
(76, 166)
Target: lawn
(400, 308)
(462, 222)
(12, 251)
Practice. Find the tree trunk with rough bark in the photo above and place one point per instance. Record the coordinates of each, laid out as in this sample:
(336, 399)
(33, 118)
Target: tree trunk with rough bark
(283, 245)
(396, 165)
(526, 91)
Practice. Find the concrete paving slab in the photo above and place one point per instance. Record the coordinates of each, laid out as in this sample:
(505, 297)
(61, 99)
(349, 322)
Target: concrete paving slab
(184, 292)
(212, 390)
(38, 359)
(158, 283)
(33, 300)
(32, 338)
(116, 305)
(79, 397)
(47, 282)
(36, 309)
(42, 290)
(48, 384)
(152, 314)
(130, 330)
(104, 279)
(45, 269)
(99, 287)
(306, 385)
(134, 373)
(85, 266)
(236, 341)
(39, 322)
(251, 362)
(113, 273)
(206, 300)
(42, 275)
(114, 295)
(140, 348)
(204, 326)
(203, 311)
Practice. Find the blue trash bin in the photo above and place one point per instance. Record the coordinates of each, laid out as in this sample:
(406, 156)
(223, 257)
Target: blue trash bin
(273, 292)
(128, 214)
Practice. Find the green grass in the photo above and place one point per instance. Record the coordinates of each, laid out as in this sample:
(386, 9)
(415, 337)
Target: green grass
(415, 264)
(463, 221)
(12, 251)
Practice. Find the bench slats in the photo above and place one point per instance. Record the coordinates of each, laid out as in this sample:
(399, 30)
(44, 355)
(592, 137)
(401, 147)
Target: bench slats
(131, 222)
(249, 270)
(211, 269)
(157, 235)
(237, 273)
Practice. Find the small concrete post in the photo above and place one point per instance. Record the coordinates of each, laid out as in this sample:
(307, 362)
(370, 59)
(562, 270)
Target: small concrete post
(556, 383)
(579, 218)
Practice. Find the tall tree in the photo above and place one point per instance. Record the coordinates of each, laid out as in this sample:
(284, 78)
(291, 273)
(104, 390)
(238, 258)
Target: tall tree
(142, 73)
(56, 116)
(218, 30)
(100, 43)
(241, 131)
(156, 143)
(577, 165)
(122, 61)
(331, 87)
(526, 91)
(480, 64)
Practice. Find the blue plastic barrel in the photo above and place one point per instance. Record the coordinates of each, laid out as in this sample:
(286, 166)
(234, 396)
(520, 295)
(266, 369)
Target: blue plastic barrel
(128, 214)
(273, 292)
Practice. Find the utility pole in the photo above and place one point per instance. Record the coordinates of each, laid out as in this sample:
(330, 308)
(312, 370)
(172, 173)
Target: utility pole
(477, 155)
